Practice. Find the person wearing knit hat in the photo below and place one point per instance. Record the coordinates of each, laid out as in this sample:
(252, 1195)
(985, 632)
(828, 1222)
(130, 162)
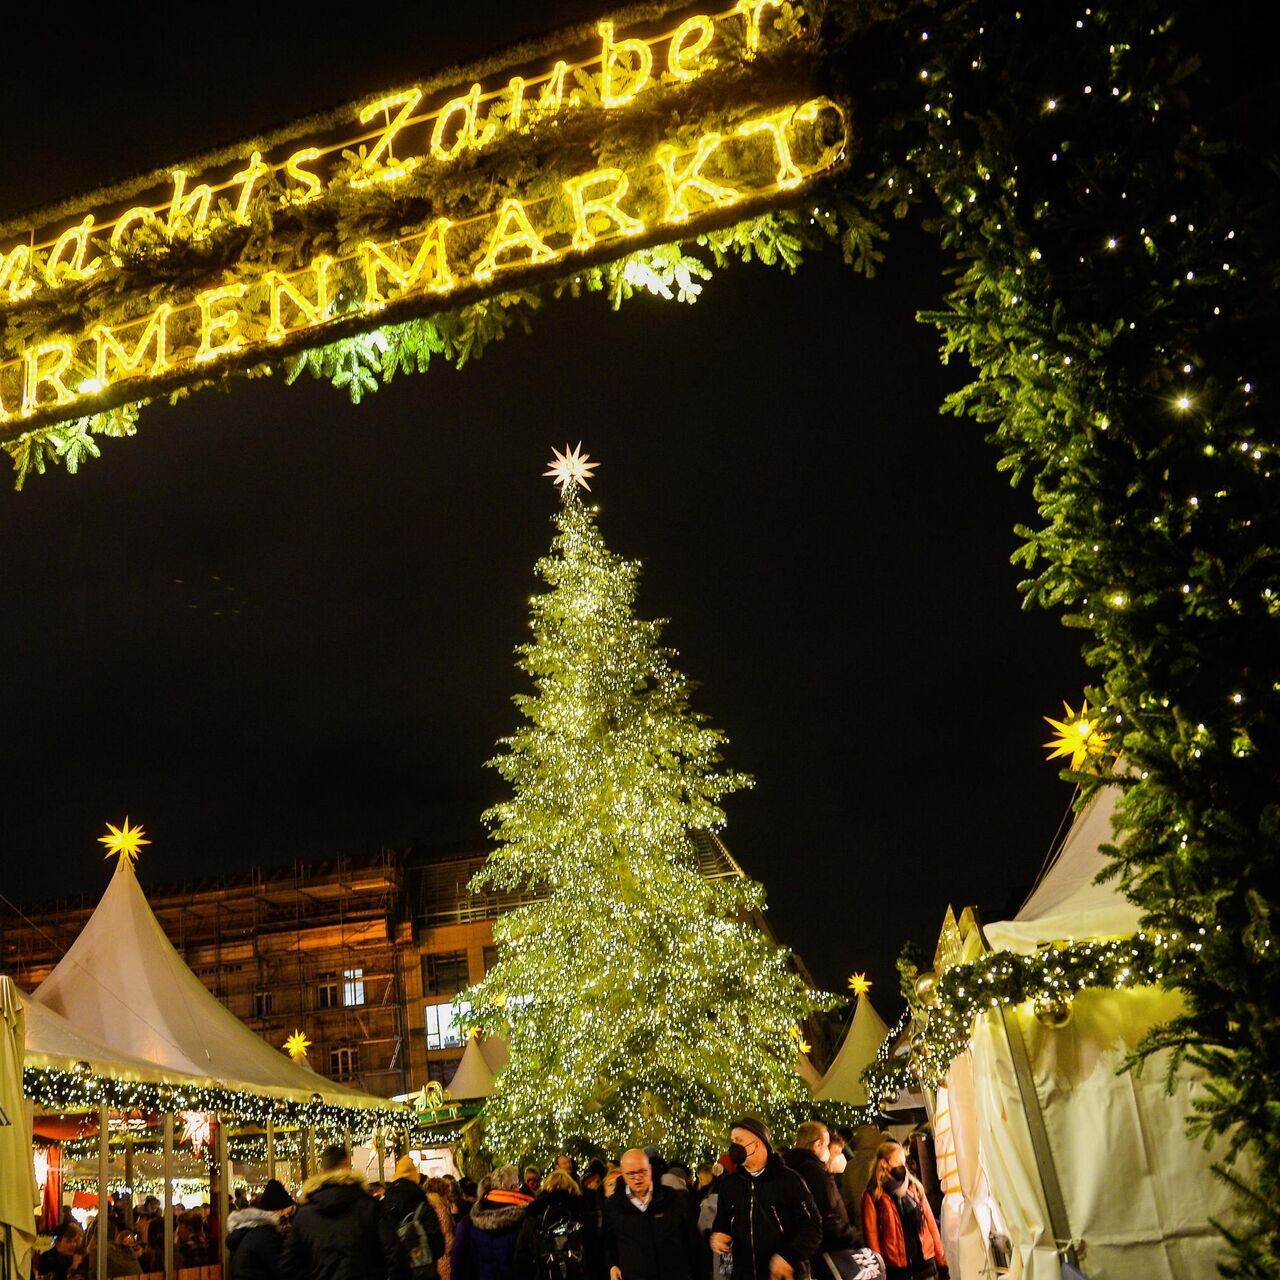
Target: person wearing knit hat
(765, 1217)
(405, 1203)
(255, 1235)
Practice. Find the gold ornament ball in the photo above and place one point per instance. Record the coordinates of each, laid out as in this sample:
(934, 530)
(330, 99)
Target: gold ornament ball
(927, 989)
(1053, 1013)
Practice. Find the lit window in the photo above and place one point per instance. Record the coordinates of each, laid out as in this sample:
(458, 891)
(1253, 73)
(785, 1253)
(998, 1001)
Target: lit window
(352, 987)
(443, 1029)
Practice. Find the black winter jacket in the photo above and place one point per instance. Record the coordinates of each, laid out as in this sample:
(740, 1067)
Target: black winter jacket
(552, 1207)
(659, 1244)
(837, 1231)
(341, 1233)
(403, 1197)
(255, 1239)
(770, 1213)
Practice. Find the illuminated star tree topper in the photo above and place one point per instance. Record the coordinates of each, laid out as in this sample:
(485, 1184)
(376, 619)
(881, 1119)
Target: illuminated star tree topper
(859, 984)
(571, 467)
(123, 842)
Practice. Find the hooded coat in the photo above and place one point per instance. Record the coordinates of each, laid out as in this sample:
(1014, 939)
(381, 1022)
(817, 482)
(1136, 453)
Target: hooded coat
(255, 1240)
(341, 1233)
(484, 1247)
(770, 1213)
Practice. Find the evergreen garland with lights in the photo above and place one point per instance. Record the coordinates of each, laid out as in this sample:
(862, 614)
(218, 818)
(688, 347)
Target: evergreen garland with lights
(641, 1002)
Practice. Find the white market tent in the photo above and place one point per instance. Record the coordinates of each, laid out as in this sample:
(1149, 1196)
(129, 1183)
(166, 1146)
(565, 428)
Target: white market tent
(843, 1080)
(473, 1078)
(1050, 1142)
(123, 984)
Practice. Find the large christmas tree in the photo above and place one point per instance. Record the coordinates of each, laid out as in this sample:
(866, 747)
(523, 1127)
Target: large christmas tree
(641, 1003)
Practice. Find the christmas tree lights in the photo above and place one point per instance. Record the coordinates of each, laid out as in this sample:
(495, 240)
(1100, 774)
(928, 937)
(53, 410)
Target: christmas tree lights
(641, 1002)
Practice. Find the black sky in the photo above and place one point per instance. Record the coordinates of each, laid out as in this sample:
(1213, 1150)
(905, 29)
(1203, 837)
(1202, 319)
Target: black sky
(274, 626)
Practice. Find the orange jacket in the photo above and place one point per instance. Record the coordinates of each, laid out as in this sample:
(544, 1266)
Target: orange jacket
(883, 1227)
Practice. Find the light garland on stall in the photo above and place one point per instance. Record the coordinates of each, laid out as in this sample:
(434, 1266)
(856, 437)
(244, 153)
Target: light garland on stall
(60, 1090)
(1047, 980)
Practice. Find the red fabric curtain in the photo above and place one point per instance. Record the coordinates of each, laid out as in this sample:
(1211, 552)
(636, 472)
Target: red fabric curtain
(51, 1205)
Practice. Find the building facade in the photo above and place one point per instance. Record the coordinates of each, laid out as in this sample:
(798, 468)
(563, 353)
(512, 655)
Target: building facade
(363, 955)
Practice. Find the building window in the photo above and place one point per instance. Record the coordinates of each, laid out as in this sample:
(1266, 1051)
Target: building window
(442, 1069)
(264, 1004)
(490, 958)
(344, 1063)
(443, 1029)
(352, 987)
(327, 995)
(444, 973)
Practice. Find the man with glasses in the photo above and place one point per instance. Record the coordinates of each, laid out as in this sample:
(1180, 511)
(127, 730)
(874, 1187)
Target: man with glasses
(766, 1219)
(648, 1228)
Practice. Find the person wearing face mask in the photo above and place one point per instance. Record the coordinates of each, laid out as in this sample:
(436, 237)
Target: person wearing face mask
(766, 1220)
(841, 1253)
(898, 1221)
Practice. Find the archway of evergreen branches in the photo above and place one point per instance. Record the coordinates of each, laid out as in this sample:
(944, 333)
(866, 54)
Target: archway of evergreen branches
(1104, 179)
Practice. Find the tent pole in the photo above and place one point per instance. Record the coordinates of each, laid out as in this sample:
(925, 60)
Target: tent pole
(346, 1140)
(104, 1214)
(168, 1197)
(380, 1141)
(224, 1189)
(271, 1148)
(128, 1180)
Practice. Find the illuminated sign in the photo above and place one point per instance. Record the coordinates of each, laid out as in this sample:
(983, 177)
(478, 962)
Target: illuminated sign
(417, 201)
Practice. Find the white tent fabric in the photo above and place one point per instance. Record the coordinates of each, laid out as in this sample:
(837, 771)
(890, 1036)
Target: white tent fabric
(843, 1080)
(496, 1052)
(1138, 1193)
(18, 1195)
(472, 1079)
(123, 983)
(1067, 903)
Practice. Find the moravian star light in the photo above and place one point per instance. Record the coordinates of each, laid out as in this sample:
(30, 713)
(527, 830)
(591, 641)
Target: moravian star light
(1076, 735)
(296, 1045)
(859, 984)
(572, 466)
(124, 842)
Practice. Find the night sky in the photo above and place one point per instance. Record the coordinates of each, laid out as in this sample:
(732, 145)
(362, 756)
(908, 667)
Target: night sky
(277, 627)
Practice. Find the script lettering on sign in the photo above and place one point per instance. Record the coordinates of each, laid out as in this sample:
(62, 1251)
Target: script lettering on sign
(591, 200)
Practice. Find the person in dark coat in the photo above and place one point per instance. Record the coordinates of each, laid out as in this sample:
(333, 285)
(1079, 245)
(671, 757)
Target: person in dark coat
(765, 1215)
(484, 1246)
(649, 1229)
(405, 1197)
(559, 1200)
(809, 1158)
(255, 1236)
(339, 1231)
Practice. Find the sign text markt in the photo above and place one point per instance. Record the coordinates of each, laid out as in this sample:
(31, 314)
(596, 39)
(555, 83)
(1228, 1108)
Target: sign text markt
(510, 182)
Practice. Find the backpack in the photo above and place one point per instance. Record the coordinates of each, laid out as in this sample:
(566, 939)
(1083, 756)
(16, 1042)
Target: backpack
(417, 1244)
(559, 1246)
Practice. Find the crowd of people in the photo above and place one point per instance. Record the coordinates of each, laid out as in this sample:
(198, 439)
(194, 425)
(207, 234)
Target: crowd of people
(755, 1214)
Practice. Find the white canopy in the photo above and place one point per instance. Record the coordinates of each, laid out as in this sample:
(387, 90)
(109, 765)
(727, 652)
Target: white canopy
(1067, 903)
(843, 1081)
(1137, 1193)
(123, 983)
(472, 1079)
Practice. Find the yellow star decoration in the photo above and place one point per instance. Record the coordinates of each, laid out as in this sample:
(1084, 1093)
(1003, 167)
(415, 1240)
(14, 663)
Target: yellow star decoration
(296, 1045)
(123, 842)
(859, 984)
(572, 466)
(1076, 735)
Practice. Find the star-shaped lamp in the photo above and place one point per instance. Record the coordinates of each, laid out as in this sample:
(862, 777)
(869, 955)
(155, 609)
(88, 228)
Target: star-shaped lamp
(296, 1045)
(859, 984)
(572, 467)
(124, 842)
(1076, 735)
(197, 1128)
